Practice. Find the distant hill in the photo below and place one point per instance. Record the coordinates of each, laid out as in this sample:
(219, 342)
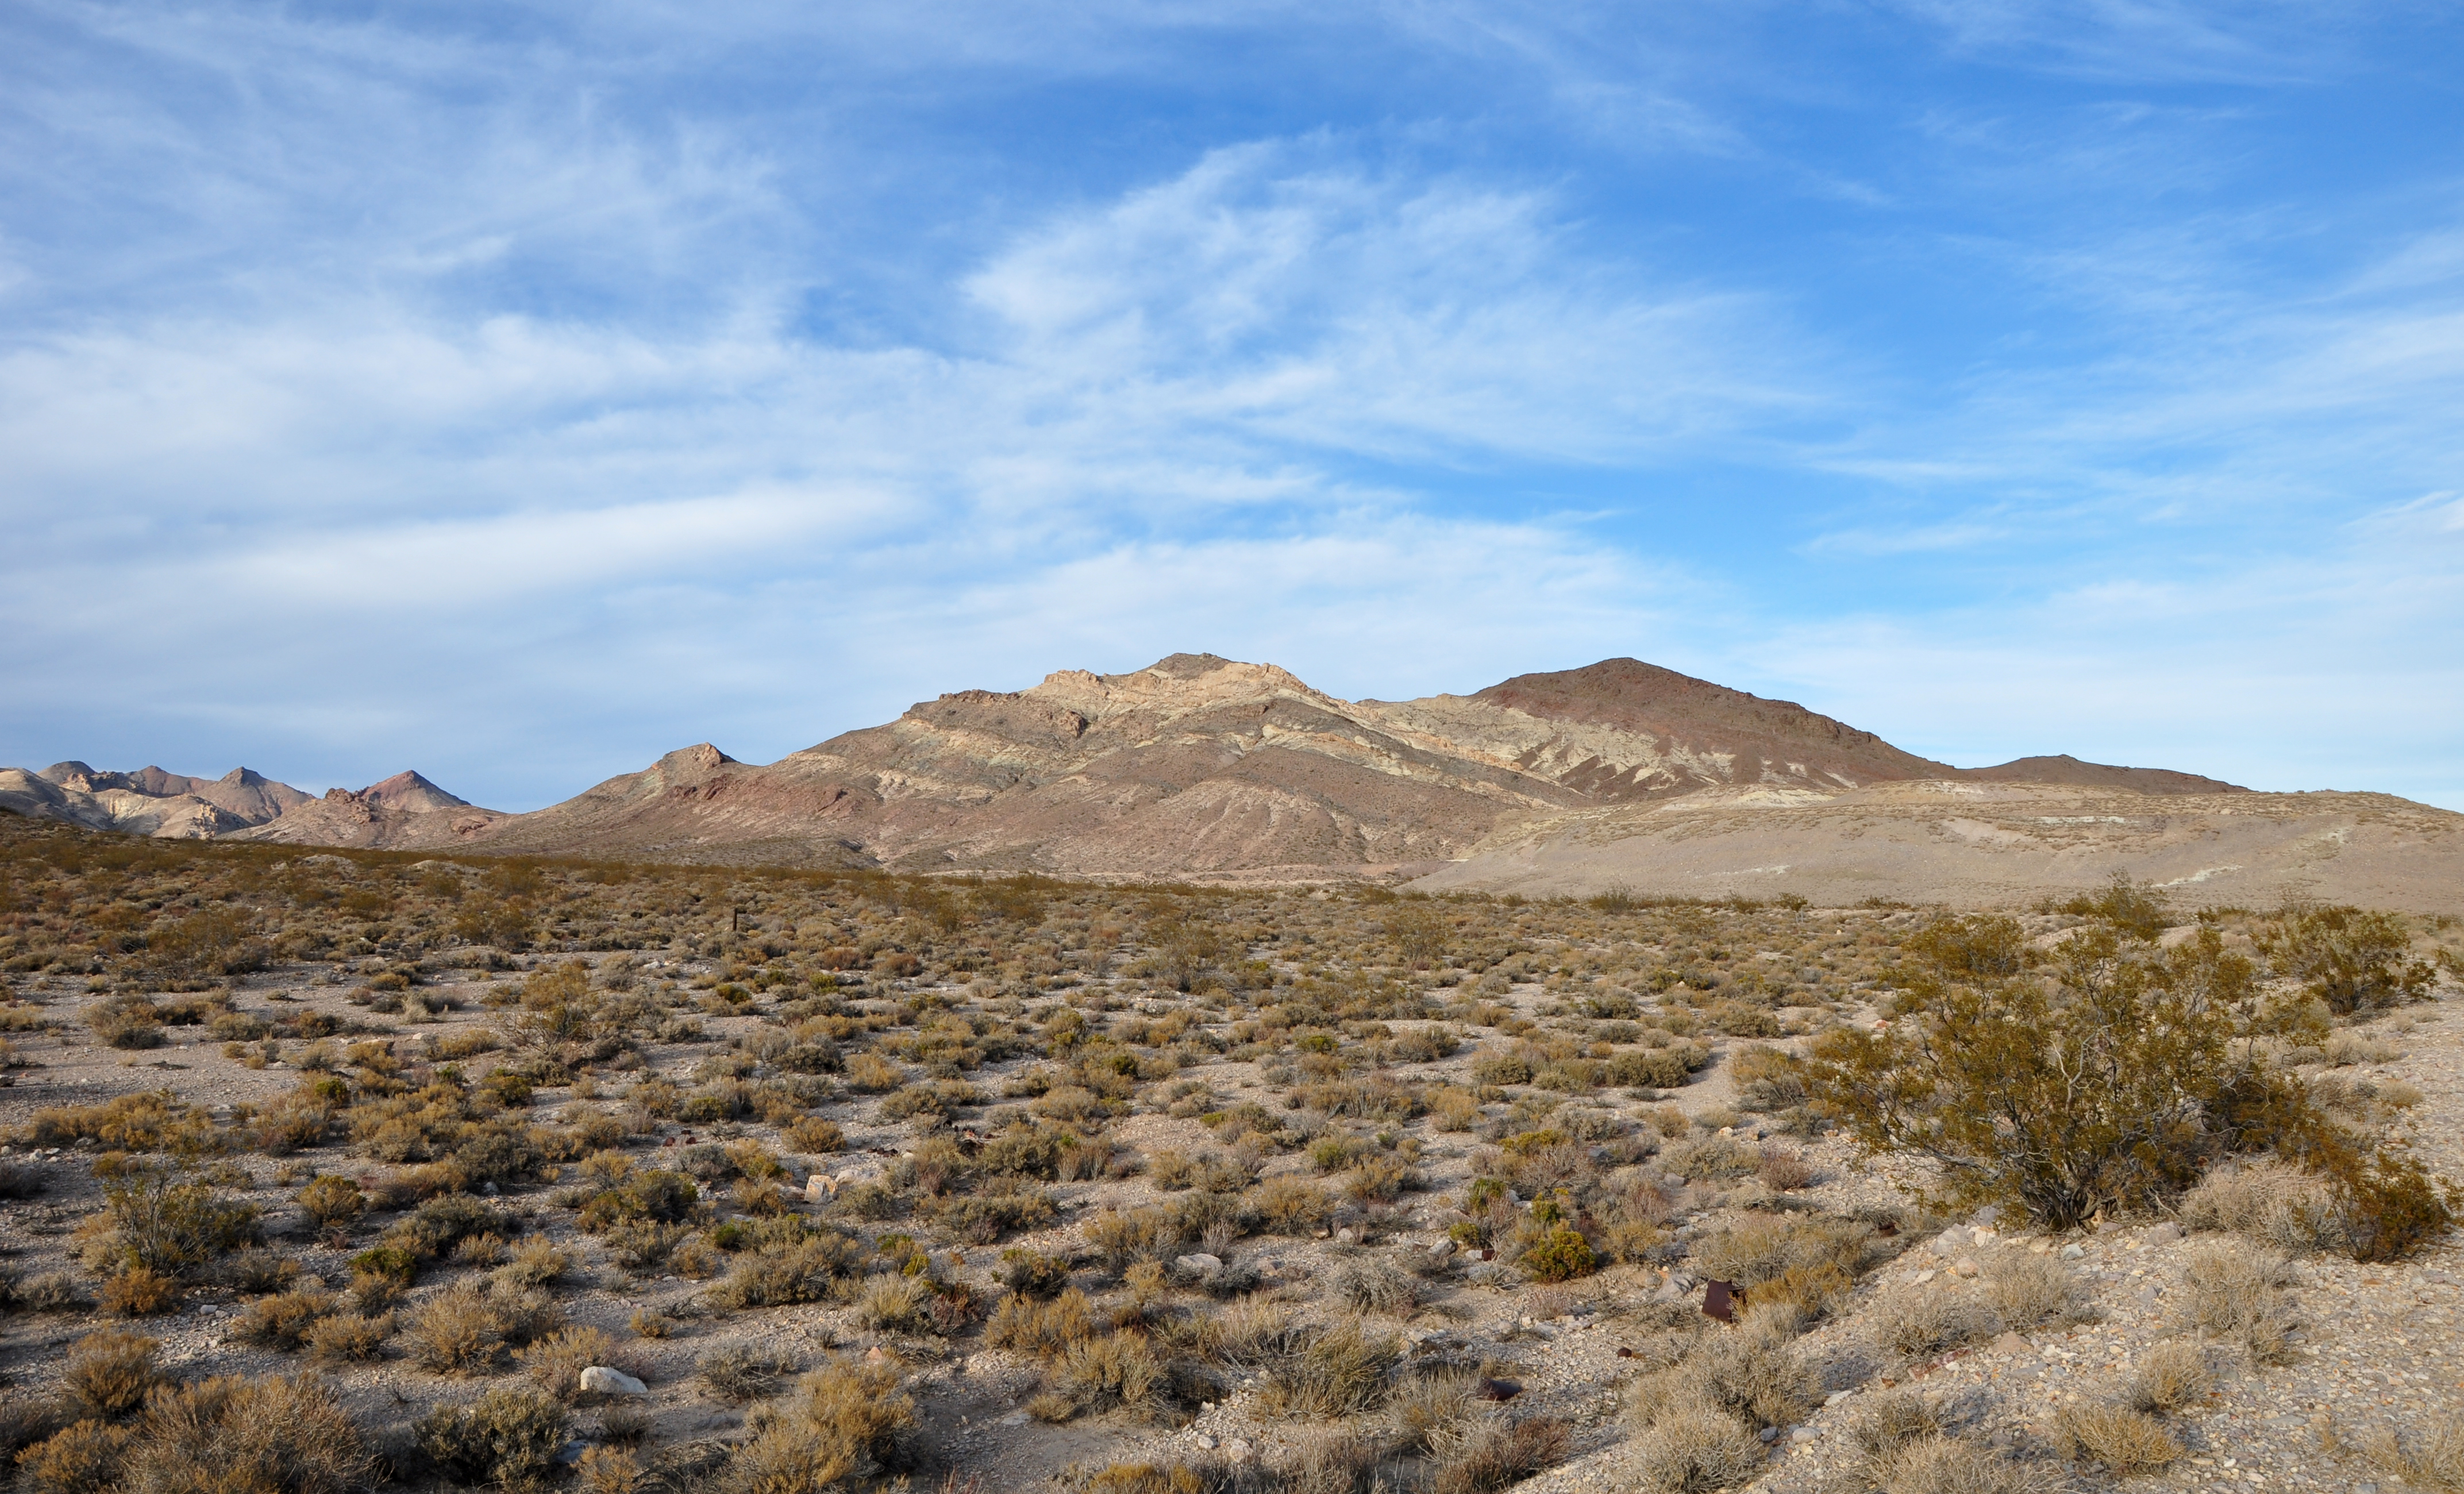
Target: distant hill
(242, 803)
(1203, 767)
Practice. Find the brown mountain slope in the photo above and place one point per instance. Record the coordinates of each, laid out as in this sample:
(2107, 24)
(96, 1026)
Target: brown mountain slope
(1198, 765)
(2069, 770)
(403, 812)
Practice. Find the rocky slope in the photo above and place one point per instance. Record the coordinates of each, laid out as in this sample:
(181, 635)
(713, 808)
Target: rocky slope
(1199, 765)
(404, 809)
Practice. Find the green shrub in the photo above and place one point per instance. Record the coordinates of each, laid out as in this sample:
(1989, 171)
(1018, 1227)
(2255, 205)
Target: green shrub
(2354, 962)
(1559, 1255)
(2110, 1090)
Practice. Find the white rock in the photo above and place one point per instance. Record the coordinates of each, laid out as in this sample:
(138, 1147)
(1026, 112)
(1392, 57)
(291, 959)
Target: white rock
(601, 1380)
(1198, 1265)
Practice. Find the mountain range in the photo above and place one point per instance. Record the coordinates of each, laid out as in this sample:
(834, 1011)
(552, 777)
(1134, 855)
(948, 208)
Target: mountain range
(1198, 766)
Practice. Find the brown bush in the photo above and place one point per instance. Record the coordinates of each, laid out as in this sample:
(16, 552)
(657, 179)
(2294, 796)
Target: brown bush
(2124, 1441)
(2172, 1377)
(266, 1435)
(1338, 1370)
(109, 1372)
(284, 1320)
(84, 1458)
(1044, 1329)
(555, 1363)
(1494, 1453)
(140, 1292)
(348, 1337)
(843, 1423)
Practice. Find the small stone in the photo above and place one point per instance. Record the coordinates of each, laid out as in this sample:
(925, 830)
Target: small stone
(2072, 1252)
(1236, 1450)
(1198, 1265)
(600, 1379)
(1205, 1440)
(1014, 1418)
(2164, 1234)
(1965, 1268)
(1926, 1276)
(1347, 1236)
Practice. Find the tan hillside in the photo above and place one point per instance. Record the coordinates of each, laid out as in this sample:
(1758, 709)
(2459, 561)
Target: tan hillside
(1979, 843)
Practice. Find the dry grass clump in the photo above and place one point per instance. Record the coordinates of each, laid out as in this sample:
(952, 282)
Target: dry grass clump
(348, 1337)
(2235, 1293)
(1698, 1418)
(1483, 1456)
(284, 1320)
(741, 1372)
(2172, 1377)
(1916, 1321)
(1373, 1286)
(2429, 1456)
(1092, 1375)
(1044, 1329)
(2028, 1290)
(509, 1436)
(270, 1436)
(536, 1262)
(555, 1363)
(2124, 1441)
(140, 1292)
(2271, 1204)
(109, 1372)
(1955, 1466)
(1336, 1371)
(83, 1458)
(842, 1423)
(467, 1328)
(801, 1272)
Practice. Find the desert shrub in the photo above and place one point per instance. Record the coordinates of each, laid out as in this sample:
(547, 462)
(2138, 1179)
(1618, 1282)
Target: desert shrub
(812, 1133)
(1031, 1273)
(2124, 1441)
(125, 1022)
(658, 1194)
(2387, 1205)
(1290, 1205)
(1757, 1249)
(257, 1271)
(171, 1227)
(509, 1436)
(108, 1373)
(437, 1226)
(84, 1458)
(282, 1321)
(1373, 1286)
(140, 1292)
(1097, 1373)
(1044, 1329)
(1136, 1235)
(2235, 1293)
(555, 1363)
(1425, 1410)
(1338, 1370)
(741, 1372)
(605, 1469)
(45, 1291)
(2109, 1087)
(536, 1262)
(843, 1423)
(2428, 1456)
(467, 1328)
(1752, 1375)
(130, 1123)
(1490, 1454)
(801, 1273)
(982, 1218)
(1712, 1157)
(2352, 961)
(348, 1337)
(2027, 1289)
(1955, 1466)
(1918, 1321)
(1692, 1450)
(2272, 1204)
(266, 1435)
(1892, 1419)
(1559, 1255)
(894, 1303)
(2172, 1376)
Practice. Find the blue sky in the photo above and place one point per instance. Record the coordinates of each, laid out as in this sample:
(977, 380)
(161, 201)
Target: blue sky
(517, 392)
